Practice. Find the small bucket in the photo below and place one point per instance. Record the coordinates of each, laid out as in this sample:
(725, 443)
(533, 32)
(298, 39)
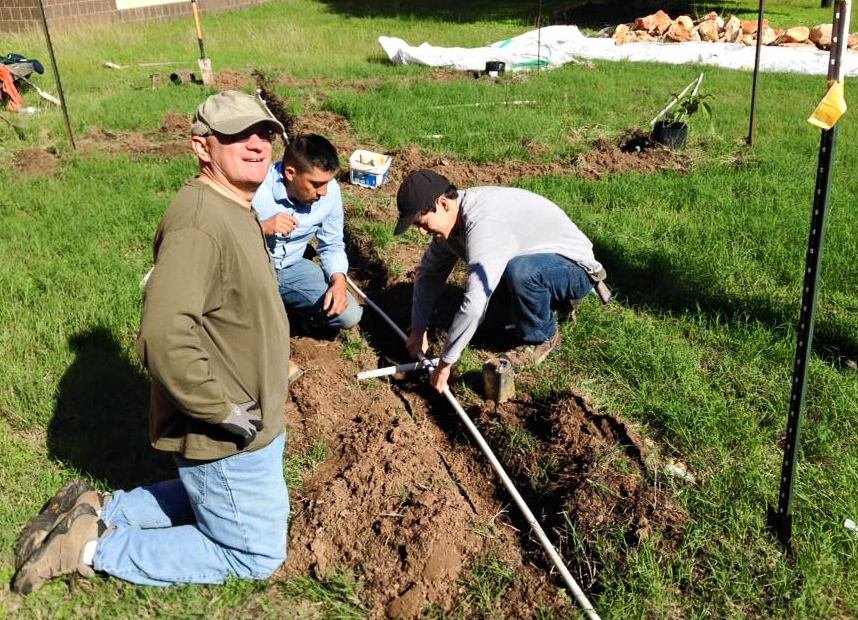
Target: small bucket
(495, 68)
(498, 381)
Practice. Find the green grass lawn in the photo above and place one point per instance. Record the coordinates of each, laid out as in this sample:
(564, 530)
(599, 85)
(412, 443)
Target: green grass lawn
(697, 350)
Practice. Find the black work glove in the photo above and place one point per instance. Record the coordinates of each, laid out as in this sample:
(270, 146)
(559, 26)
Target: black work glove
(244, 421)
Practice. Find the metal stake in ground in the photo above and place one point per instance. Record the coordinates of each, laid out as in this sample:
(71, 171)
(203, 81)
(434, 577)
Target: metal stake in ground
(753, 122)
(499, 470)
(204, 63)
(56, 74)
(780, 520)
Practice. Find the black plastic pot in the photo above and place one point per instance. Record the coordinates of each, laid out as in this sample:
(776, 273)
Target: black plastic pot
(672, 134)
(495, 68)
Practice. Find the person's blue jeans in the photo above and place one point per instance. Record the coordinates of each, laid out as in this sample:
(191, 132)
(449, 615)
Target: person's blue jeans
(536, 282)
(303, 286)
(220, 519)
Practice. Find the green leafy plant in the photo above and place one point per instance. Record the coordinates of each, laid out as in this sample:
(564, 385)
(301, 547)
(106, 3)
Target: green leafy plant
(688, 106)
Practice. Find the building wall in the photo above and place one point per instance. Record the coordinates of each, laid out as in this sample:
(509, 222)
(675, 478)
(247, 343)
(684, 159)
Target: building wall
(20, 15)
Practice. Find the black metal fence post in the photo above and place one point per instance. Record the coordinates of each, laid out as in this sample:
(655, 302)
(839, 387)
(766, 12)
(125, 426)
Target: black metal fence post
(780, 519)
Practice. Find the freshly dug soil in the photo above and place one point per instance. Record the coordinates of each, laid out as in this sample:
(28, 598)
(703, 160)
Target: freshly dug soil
(408, 503)
(228, 79)
(605, 158)
(175, 127)
(135, 144)
(33, 162)
(589, 466)
(632, 152)
(404, 500)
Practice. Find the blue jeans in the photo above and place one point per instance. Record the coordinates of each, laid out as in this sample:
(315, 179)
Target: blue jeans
(535, 282)
(220, 519)
(303, 287)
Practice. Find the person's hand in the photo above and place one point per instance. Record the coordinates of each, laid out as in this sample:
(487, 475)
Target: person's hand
(336, 300)
(244, 421)
(418, 343)
(279, 223)
(439, 377)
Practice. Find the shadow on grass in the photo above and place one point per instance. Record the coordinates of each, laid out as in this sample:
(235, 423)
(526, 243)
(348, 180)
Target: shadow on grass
(657, 282)
(100, 424)
(591, 14)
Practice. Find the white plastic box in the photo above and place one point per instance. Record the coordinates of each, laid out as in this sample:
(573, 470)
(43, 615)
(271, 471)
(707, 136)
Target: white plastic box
(368, 175)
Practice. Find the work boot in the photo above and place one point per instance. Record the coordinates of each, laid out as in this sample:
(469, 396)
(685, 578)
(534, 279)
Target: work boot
(73, 493)
(527, 354)
(62, 551)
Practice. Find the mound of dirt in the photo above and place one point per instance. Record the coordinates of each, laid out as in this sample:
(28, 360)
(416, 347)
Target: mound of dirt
(606, 157)
(135, 144)
(175, 126)
(406, 502)
(589, 467)
(171, 139)
(228, 79)
(334, 127)
(34, 162)
(402, 501)
(632, 152)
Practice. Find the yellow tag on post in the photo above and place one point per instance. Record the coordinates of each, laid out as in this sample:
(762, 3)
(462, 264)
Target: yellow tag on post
(831, 108)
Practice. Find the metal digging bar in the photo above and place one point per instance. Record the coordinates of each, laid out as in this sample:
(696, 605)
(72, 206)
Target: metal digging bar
(780, 520)
(522, 506)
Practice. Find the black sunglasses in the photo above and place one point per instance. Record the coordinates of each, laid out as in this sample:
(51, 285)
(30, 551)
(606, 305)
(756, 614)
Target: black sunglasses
(264, 133)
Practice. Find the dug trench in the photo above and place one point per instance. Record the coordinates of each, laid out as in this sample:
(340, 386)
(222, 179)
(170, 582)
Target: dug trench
(407, 503)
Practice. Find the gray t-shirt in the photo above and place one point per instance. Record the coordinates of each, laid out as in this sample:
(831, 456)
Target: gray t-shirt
(495, 225)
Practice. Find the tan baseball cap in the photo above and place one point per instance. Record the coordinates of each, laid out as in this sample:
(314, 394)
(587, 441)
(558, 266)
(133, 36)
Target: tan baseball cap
(229, 113)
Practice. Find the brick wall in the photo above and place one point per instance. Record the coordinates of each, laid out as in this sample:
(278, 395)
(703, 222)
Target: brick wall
(20, 15)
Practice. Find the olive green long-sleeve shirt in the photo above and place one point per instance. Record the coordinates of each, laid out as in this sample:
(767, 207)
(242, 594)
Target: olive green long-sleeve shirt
(213, 331)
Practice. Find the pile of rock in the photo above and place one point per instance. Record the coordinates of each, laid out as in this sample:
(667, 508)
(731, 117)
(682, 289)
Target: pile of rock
(711, 27)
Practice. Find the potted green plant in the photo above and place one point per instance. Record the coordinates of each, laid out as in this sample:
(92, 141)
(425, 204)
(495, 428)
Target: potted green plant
(672, 129)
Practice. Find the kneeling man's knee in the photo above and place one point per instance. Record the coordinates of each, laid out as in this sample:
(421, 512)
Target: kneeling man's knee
(267, 564)
(351, 316)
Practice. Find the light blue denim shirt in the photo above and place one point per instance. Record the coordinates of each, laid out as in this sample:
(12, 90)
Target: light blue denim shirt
(323, 218)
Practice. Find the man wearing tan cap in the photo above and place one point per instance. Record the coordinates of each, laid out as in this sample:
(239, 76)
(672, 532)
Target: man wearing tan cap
(215, 340)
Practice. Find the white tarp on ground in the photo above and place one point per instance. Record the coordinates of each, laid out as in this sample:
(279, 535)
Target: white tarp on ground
(564, 44)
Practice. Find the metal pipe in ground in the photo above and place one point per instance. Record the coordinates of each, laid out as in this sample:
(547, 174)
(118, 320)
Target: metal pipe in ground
(752, 124)
(573, 586)
(57, 75)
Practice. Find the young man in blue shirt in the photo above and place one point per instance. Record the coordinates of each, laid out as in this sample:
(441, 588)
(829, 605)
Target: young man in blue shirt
(300, 199)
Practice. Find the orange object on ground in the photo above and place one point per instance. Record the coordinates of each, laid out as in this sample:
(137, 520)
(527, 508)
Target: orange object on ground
(8, 86)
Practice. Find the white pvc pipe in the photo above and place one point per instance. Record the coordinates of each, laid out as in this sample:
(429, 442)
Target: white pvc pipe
(677, 98)
(392, 370)
(510, 487)
(480, 103)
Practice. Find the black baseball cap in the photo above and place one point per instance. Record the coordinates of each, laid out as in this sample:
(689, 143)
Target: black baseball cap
(416, 195)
